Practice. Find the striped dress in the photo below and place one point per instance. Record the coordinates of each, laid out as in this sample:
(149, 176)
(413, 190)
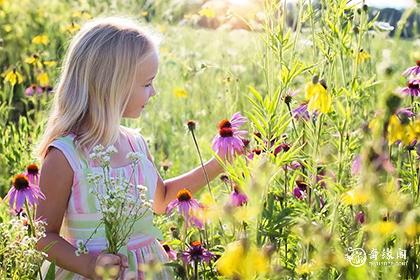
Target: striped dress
(82, 214)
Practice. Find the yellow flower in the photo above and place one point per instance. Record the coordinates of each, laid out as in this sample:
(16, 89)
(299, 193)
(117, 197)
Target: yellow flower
(241, 262)
(73, 27)
(34, 59)
(354, 197)
(412, 132)
(362, 56)
(40, 40)
(50, 63)
(395, 130)
(7, 28)
(13, 77)
(383, 227)
(42, 79)
(207, 12)
(180, 92)
(318, 97)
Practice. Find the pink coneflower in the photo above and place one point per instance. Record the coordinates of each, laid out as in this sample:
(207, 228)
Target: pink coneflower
(229, 139)
(185, 204)
(237, 120)
(237, 197)
(360, 217)
(32, 89)
(356, 165)
(23, 190)
(413, 71)
(254, 152)
(196, 253)
(300, 190)
(292, 166)
(412, 88)
(405, 112)
(171, 253)
(32, 172)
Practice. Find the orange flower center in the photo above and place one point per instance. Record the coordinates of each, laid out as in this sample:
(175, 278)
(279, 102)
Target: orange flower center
(184, 195)
(418, 63)
(196, 243)
(226, 132)
(224, 123)
(32, 169)
(20, 182)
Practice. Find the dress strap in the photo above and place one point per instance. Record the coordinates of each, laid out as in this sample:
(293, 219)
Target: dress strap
(66, 145)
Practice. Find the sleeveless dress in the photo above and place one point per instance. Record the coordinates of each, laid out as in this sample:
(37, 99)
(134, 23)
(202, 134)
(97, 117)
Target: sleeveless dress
(82, 214)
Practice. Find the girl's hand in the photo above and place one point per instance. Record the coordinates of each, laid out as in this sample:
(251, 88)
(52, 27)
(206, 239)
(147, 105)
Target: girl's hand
(109, 265)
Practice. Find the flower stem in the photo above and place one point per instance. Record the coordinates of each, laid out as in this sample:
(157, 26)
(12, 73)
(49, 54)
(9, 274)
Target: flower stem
(201, 161)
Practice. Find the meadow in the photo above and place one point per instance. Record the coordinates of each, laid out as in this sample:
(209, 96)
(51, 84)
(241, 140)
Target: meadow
(329, 184)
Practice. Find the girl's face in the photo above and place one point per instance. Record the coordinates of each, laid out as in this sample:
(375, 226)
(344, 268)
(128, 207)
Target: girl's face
(143, 89)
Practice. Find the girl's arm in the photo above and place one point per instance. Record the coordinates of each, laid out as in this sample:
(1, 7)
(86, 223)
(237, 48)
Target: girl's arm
(193, 180)
(55, 182)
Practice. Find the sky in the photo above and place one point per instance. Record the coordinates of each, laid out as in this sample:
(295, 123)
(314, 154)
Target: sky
(390, 3)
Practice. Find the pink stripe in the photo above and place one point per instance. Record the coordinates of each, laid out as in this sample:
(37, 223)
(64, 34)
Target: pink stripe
(140, 260)
(76, 195)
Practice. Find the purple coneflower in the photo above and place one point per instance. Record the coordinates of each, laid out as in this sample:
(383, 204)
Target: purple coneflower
(292, 166)
(405, 112)
(32, 89)
(23, 190)
(32, 172)
(253, 153)
(360, 217)
(412, 88)
(237, 197)
(282, 147)
(413, 71)
(171, 253)
(300, 190)
(196, 253)
(301, 112)
(185, 204)
(356, 165)
(229, 139)
(237, 120)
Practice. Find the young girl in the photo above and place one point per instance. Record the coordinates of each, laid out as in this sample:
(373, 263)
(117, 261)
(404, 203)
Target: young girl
(107, 75)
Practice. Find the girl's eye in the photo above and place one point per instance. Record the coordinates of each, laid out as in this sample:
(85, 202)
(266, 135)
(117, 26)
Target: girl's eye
(148, 85)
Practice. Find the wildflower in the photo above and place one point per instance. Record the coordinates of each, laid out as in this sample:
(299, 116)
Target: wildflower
(412, 88)
(362, 56)
(191, 125)
(242, 261)
(180, 92)
(207, 12)
(355, 197)
(166, 164)
(13, 77)
(356, 165)
(318, 96)
(237, 197)
(196, 253)
(185, 204)
(171, 253)
(33, 88)
(300, 190)
(360, 217)
(34, 59)
(32, 172)
(229, 139)
(22, 189)
(50, 63)
(42, 79)
(40, 40)
(405, 112)
(254, 152)
(301, 112)
(412, 71)
(292, 166)
(395, 130)
(282, 147)
(72, 28)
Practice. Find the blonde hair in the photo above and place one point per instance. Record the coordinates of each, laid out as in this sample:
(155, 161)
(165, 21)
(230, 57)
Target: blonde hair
(96, 81)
